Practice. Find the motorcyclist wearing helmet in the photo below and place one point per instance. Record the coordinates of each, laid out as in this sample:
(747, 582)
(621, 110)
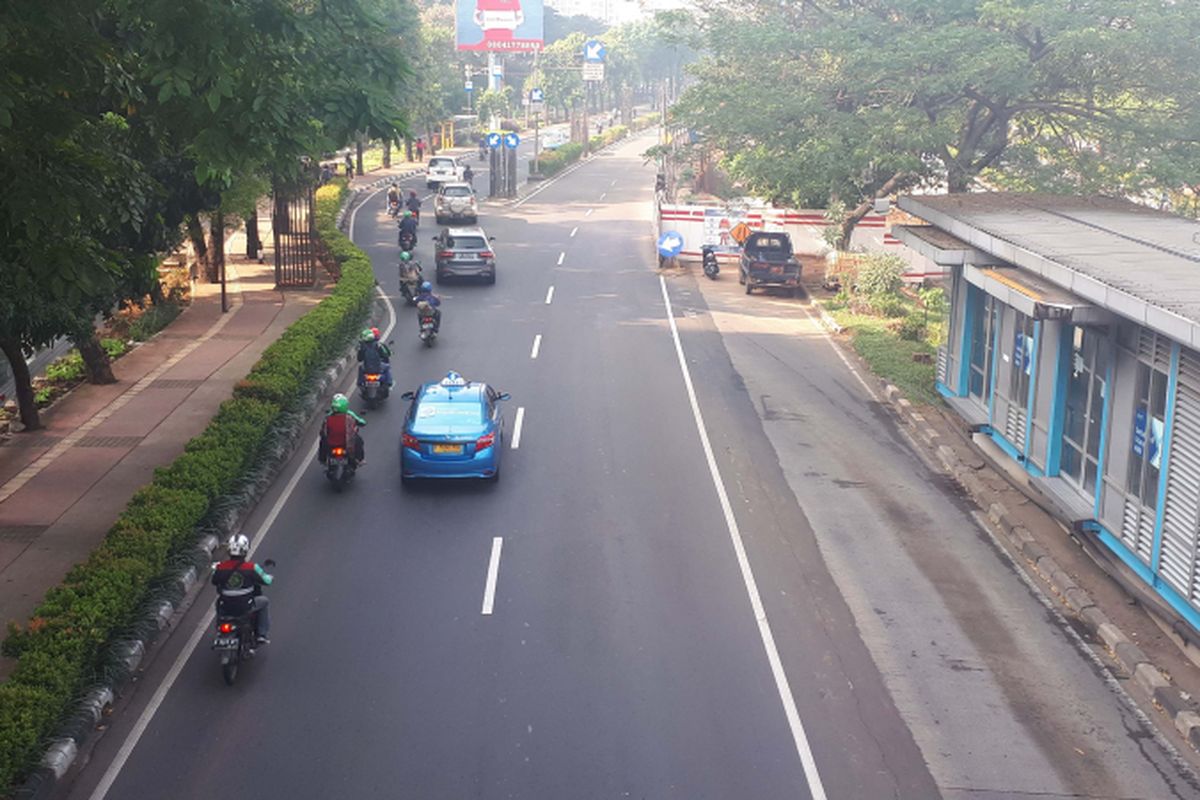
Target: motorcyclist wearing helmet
(410, 274)
(426, 295)
(240, 583)
(413, 204)
(469, 175)
(373, 356)
(341, 428)
(408, 225)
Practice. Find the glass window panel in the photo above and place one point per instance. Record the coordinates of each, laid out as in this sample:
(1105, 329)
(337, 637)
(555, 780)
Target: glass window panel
(1071, 461)
(1089, 477)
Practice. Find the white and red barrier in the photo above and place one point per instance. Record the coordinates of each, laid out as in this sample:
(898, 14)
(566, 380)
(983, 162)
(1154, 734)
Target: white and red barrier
(713, 225)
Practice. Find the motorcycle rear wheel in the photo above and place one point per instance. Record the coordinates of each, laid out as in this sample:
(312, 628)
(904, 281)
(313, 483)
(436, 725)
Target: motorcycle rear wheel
(229, 671)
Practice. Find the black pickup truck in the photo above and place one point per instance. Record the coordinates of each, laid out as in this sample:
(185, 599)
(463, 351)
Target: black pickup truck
(767, 260)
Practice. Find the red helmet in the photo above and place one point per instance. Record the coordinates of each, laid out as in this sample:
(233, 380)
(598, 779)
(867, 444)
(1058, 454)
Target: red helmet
(377, 333)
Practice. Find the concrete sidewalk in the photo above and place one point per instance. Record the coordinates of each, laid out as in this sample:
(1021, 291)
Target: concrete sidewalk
(61, 488)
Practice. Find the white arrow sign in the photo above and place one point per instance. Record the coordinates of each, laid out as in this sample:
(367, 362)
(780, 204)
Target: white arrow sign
(671, 242)
(594, 51)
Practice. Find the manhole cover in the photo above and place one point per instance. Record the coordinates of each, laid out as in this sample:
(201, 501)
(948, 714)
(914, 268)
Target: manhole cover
(20, 533)
(31, 440)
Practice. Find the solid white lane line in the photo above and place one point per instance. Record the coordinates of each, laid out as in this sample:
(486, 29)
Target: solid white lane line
(588, 213)
(561, 256)
(799, 737)
(603, 195)
(574, 231)
(549, 295)
(516, 442)
(489, 588)
(537, 346)
(160, 694)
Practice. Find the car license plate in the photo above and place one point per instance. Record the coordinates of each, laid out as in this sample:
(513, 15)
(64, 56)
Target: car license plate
(448, 449)
(226, 643)
(776, 270)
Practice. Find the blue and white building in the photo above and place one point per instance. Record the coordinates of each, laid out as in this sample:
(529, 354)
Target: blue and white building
(1074, 344)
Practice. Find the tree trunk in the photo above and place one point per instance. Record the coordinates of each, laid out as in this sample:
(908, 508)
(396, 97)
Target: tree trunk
(20, 370)
(200, 246)
(95, 360)
(896, 183)
(387, 153)
(358, 151)
(408, 148)
(253, 242)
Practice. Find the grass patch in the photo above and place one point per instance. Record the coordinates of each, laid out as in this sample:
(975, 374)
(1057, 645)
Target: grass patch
(877, 340)
(153, 320)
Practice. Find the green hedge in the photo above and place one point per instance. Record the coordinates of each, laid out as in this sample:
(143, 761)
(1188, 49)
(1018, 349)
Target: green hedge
(555, 161)
(59, 651)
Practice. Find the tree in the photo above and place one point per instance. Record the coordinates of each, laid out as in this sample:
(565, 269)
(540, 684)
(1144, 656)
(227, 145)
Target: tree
(855, 99)
(121, 118)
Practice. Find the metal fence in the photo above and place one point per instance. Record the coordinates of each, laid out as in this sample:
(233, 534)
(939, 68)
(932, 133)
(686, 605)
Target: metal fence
(293, 222)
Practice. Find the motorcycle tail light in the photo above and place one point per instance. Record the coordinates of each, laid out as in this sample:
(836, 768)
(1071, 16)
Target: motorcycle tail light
(371, 377)
(410, 441)
(225, 627)
(339, 451)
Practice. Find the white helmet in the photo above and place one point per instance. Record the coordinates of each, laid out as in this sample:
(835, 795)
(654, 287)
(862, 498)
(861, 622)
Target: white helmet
(239, 545)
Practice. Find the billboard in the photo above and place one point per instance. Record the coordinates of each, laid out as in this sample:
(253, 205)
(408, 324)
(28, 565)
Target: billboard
(498, 25)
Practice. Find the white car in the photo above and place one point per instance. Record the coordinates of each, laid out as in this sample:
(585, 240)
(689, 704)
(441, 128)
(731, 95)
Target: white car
(442, 169)
(455, 203)
(552, 140)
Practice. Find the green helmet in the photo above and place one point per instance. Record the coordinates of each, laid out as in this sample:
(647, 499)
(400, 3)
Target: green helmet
(367, 335)
(405, 255)
(407, 212)
(339, 404)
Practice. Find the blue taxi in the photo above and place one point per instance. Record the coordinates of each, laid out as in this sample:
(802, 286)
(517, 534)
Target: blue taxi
(454, 429)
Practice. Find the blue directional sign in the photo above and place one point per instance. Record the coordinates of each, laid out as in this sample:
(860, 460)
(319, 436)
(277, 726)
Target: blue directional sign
(494, 140)
(670, 244)
(511, 140)
(537, 96)
(595, 51)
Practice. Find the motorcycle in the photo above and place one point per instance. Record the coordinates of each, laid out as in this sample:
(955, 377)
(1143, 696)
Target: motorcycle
(374, 390)
(393, 208)
(428, 323)
(410, 280)
(235, 641)
(711, 267)
(339, 468)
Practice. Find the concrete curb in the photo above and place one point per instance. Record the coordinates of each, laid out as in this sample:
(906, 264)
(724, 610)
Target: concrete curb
(65, 747)
(1127, 657)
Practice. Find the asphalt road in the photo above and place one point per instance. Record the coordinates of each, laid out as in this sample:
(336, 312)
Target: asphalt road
(632, 651)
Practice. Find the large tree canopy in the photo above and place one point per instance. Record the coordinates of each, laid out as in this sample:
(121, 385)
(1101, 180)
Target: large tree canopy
(118, 117)
(851, 99)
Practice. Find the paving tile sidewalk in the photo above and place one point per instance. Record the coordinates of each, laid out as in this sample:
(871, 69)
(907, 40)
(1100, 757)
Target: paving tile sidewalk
(61, 488)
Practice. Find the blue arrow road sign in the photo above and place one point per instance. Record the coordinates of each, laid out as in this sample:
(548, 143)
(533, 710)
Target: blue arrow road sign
(536, 96)
(493, 140)
(595, 51)
(511, 140)
(670, 244)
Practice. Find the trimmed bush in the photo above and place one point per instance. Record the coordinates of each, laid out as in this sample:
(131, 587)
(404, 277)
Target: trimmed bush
(60, 650)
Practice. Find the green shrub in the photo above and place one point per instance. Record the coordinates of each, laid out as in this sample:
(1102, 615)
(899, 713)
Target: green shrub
(912, 327)
(888, 305)
(67, 369)
(59, 651)
(880, 274)
(555, 161)
(114, 348)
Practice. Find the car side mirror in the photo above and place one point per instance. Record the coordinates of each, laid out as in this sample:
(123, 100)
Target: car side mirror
(407, 396)
(504, 396)
(391, 341)
(269, 563)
